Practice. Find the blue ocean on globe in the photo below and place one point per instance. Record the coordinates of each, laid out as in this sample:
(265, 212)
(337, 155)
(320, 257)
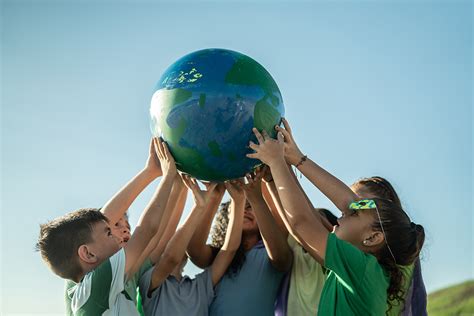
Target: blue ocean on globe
(205, 106)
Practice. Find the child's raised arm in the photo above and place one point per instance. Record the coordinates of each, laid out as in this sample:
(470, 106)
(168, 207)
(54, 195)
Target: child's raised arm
(176, 248)
(149, 222)
(176, 204)
(296, 208)
(280, 213)
(339, 193)
(169, 222)
(118, 205)
(275, 240)
(199, 251)
(233, 235)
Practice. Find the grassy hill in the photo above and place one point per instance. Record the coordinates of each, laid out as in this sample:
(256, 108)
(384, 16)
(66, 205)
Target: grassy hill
(454, 300)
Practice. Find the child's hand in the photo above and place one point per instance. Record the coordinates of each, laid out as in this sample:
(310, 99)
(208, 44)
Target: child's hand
(253, 188)
(293, 154)
(267, 174)
(218, 192)
(201, 197)
(153, 163)
(236, 190)
(167, 163)
(268, 150)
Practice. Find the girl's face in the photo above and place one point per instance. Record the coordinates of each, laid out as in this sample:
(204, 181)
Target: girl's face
(250, 222)
(121, 230)
(356, 227)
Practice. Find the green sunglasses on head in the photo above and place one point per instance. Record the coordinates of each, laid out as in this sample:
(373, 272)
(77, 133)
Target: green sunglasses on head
(368, 204)
(363, 205)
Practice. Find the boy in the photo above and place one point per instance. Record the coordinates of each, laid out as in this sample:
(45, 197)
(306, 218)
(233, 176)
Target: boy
(80, 247)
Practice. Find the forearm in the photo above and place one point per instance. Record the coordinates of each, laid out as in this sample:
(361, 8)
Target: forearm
(198, 250)
(338, 192)
(305, 227)
(176, 247)
(151, 218)
(280, 213)
(147, 227)
(233, 235)
(232, 242)
(118, 205)
(178, 201)
(275, 241)
(273, 202)
(169, 222)
(295, 206)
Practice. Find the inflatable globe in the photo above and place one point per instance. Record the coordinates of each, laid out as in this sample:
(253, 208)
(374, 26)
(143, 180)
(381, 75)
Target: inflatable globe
(205, 106)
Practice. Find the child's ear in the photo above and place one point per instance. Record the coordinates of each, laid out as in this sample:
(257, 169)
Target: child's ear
(375, 239)
(86, 255)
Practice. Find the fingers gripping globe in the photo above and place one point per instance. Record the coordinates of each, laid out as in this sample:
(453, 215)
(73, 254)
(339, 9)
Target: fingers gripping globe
(205, 106)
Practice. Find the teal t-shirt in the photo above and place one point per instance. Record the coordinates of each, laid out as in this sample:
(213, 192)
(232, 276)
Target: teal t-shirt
(356, 285)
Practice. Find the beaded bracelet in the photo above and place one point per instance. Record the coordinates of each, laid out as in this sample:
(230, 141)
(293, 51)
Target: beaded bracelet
(303, 159)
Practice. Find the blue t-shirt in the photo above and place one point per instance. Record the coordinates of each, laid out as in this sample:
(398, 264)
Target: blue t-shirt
(187, 297)
(250, 292)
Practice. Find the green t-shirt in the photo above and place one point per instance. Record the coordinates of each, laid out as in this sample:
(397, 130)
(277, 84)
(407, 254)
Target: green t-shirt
(103, 290)
(306, 282)
(356, 285)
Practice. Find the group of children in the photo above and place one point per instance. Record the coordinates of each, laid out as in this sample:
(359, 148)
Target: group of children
(272, 251)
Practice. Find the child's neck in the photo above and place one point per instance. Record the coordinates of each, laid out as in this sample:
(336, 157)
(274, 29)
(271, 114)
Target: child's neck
(249, 240)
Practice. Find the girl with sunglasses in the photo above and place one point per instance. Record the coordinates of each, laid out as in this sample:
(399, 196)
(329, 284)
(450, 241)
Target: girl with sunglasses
(363, 252)
(414, 300)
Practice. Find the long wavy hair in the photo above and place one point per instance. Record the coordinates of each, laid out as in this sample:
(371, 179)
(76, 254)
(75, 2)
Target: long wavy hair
(404, 237)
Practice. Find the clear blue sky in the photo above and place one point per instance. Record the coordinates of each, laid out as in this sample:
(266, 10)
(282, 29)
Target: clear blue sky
(371, 88)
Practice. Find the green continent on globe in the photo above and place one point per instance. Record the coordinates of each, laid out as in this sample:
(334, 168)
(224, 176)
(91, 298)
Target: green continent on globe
(205, 106)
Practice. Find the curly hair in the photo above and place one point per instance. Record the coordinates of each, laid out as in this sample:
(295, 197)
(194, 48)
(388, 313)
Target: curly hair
(218, 233)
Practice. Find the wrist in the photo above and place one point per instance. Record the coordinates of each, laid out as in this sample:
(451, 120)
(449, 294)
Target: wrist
(301, 161)
(238, 202)
(169, 175)
(295, 157)
(255, 198)
(152, 173)
(277, 162)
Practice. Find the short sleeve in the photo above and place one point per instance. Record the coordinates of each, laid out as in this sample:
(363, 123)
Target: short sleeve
(99, 288)
(346, 261)
(144, 285)
(204, 284)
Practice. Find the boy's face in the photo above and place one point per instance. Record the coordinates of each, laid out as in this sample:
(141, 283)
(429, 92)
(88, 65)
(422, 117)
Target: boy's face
(121, 231)
(104, 244)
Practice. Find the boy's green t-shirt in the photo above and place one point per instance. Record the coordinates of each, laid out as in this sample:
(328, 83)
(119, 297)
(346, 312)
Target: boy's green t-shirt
(356, 285)
(104, 291)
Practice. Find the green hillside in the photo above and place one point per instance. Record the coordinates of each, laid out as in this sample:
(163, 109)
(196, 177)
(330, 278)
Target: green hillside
(454, 300)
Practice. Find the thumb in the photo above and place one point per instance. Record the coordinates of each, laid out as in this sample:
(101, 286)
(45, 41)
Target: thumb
(280, 137)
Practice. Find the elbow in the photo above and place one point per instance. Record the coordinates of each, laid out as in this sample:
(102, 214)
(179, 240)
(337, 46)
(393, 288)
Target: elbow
(171, 259)
(297, 220)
